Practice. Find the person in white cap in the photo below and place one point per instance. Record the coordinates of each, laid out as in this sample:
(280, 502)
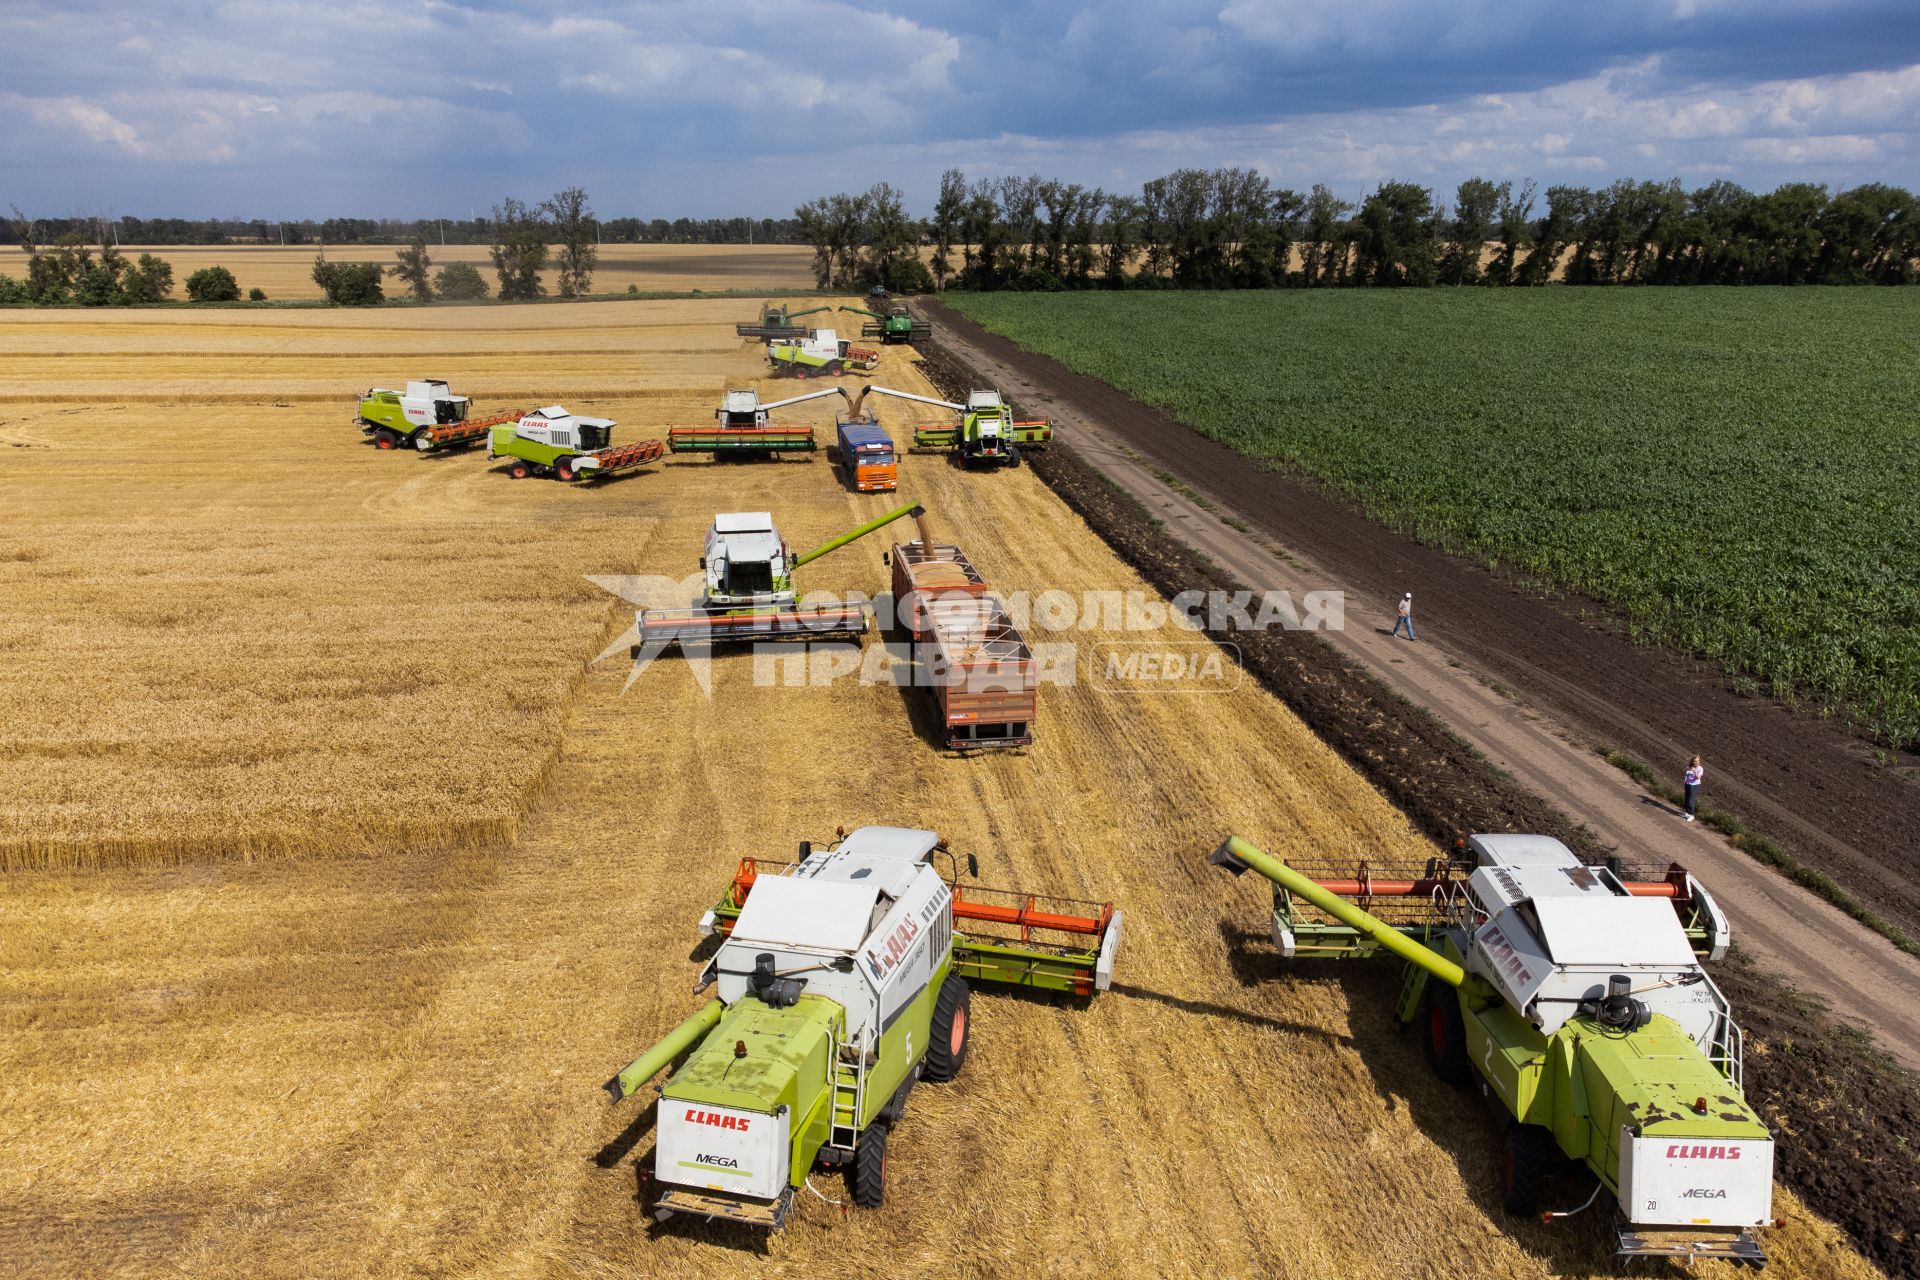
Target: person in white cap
(1406, 616)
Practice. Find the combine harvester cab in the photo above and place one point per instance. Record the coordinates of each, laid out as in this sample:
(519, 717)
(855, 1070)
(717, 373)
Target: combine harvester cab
(842, 981)
(750, 594)
(776, 322)
(569, 446)
(743, 428)
(822, 353)
(986, 435)
(893, 326)
(426, 416)
(1578, 1001)
(965, 648)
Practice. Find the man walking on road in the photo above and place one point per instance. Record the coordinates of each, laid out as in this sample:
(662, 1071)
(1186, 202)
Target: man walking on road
(1406, 616)
(1695, 775)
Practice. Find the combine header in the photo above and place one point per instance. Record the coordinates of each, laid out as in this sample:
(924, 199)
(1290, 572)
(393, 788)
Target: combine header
(750, 591)
(842, 982)
(554, 442)
(986, 433)
(744, 429)
(821, 353)
(426, 416)
(776, 322)
(1578, 1000)
(893, 327)
(965, 648)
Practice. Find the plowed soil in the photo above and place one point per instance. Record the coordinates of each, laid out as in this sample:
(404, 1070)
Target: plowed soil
(382, 1057)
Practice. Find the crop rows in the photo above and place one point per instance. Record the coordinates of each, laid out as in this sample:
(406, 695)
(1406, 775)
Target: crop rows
(1734, 470)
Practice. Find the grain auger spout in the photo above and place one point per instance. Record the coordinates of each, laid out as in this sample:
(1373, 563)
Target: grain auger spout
(1576, 999)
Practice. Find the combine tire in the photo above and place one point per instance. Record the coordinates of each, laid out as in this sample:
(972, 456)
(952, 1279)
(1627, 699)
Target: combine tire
(385, 439)
(1446, 1037)
(519, 471)
(952, 1023)
(423, 441)
(563, 468)
(1013, 455)
(834, 370)
(870, 1168)
(1529, 1154)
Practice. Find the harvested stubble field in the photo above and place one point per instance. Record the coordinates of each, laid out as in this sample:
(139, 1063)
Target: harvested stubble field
(239, 630)
(286, 271)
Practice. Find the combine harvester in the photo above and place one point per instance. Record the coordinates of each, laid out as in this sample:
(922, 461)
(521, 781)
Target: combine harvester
(743, 428)
(821, 353)
(964, 647)
(750, 591)
(987, 432)
(842, 982)
(1578, 1001)
(776, 322)
(426, 416)
(893, 327)
(554, 442)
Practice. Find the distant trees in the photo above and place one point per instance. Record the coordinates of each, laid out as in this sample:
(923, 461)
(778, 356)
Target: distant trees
(1230, 228)
(213, 284)
(349, 284)
(460, 282)
(519, 250)
(573, 224)
(413, 268)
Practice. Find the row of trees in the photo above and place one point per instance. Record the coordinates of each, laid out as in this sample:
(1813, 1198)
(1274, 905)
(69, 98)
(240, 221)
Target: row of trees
(73, 272)
(398, 231)
(1231, 228)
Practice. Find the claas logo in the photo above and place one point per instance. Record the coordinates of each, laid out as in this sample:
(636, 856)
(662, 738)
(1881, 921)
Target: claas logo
(696, 1116)
(1681, 1151)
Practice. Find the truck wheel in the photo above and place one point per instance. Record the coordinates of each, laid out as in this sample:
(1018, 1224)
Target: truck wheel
(870, 1168)
(952, 1023)
(1446, 1038)
(385, 439)
(1529, 1153)
(519, 471)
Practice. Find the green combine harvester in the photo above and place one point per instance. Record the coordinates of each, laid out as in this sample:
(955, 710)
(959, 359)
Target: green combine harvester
(427, 417)
(820, 354)
(895, 326)
(567, 446)
(776, 322)
(744, 428)
(1577, 1002)
(842, 982)
(986, 435)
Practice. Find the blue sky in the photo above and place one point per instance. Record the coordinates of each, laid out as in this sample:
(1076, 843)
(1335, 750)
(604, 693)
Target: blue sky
(304, 108)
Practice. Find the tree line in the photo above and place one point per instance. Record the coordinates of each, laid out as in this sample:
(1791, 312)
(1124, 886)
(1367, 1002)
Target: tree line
(397, 231)
(1231, 228)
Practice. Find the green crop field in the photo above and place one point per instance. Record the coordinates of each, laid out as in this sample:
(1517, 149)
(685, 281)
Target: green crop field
(1736, 470)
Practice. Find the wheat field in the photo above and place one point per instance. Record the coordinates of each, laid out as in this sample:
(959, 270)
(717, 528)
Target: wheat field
(285, 272)
(341, 873)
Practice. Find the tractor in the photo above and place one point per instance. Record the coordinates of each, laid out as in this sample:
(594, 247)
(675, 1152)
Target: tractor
(987, 433)
(893, 326)
(1576, 1001)
(841, 981)
(822, 353)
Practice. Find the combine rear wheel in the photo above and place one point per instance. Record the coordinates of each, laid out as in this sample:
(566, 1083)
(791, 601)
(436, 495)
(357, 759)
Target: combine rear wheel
(870, 1168)
(519, 471)
(952, 1021)
(1446, 1038)
(1529, 1154)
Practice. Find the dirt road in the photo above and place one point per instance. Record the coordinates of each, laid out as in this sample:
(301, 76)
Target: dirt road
(1515, 721)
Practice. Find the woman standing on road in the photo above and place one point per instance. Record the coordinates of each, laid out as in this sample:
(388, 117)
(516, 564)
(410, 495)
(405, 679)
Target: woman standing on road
(1696, 774)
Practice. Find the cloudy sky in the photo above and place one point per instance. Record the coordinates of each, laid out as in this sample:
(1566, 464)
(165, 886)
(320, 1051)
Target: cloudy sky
(310, 108)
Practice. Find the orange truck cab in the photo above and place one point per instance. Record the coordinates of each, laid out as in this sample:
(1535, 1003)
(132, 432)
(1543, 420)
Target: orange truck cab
(866, 452)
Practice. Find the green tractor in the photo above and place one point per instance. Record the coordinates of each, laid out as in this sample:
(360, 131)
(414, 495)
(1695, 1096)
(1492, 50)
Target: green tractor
(1576, 1001)
(894, 326)
(776, 322)
(842, 982)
